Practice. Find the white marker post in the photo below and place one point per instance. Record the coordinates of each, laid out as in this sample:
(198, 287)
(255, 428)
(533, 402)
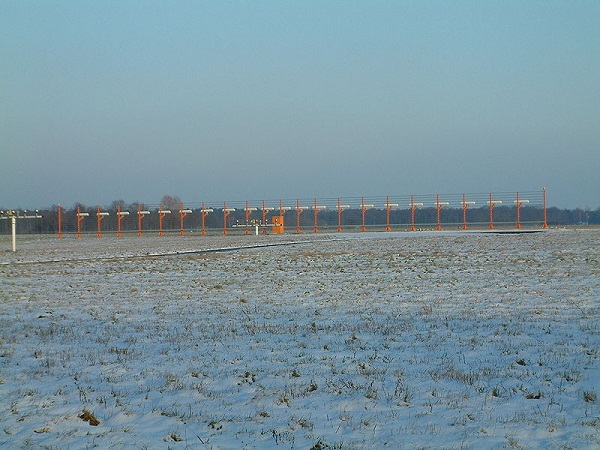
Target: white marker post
(13, 216)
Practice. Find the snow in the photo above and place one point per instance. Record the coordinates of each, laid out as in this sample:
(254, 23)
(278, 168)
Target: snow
(427, 340)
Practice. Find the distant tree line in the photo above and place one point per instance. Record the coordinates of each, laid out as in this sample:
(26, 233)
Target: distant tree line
(351, 218)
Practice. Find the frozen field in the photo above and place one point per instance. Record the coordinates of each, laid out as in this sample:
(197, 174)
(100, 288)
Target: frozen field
(438, 340)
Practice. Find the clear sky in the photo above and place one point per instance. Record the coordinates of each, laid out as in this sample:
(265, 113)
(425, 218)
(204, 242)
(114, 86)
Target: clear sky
(235, 100)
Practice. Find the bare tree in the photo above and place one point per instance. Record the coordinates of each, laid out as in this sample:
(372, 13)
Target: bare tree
(171, 202)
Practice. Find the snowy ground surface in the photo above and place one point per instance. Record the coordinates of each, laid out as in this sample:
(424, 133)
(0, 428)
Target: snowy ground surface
(365, 341)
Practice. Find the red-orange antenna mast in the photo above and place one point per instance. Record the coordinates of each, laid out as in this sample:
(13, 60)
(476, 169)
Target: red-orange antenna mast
(248, 213)
(340, 209)
(225, 215)
(60, 235)
(438, 209)
(141, 215)
(388, 210)
(80, 216)
(317, 209)
(438, 206)
(204, 213)
(282, 210)
(412, 213)
(519, 202)
(545, 225)
(339, 215)
(182, 214)
(413, 208)
(99, 217)
(161, 215)
(363, 209)
(387, 213)
(492, 204)
(120, 216)
(465, 205)
(299, 210)
(265, 211)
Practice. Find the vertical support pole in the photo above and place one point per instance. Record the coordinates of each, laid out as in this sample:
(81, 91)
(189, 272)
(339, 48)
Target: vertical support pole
(13, 225)
(438, 225)
(161, 216)
(203, 214)
(182, 215)
(518, 203)
(99, 218)
(264, 217)
(119, 218)
(412, 213)
(388, 209)
(247, 214)
(491, 225)
(225, 215)
(339, 215)
(363, 212)
(140, 218)
(60, 235)
(79, 220)
(298, 212)
(316, 213)
(545, 225)
(464, 207)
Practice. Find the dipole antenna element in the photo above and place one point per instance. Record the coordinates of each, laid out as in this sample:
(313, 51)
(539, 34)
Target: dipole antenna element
(519, 203)
(226, 212)
(545, 225)
(299, 210)
(248, 213)
(465, 205)
(413, 208)
(99, 218)
(141, 213)
(204, 213)
(80, 217)
(60, 235)
(161, 215)
(317, 209)
(438, 206)
(340, 209)
(120, 216)
(13, 216)
(388, 210)
(492, 204)
(182, 213)
(363, 209)
(265, 212)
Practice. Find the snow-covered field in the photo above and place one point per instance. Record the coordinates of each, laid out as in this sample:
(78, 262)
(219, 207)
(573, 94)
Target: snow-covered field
(380, 340)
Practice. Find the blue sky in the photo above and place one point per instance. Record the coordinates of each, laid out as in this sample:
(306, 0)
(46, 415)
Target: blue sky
(235, 100)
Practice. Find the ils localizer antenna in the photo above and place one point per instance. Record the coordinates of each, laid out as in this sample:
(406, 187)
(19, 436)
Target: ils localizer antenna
(13, 216)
